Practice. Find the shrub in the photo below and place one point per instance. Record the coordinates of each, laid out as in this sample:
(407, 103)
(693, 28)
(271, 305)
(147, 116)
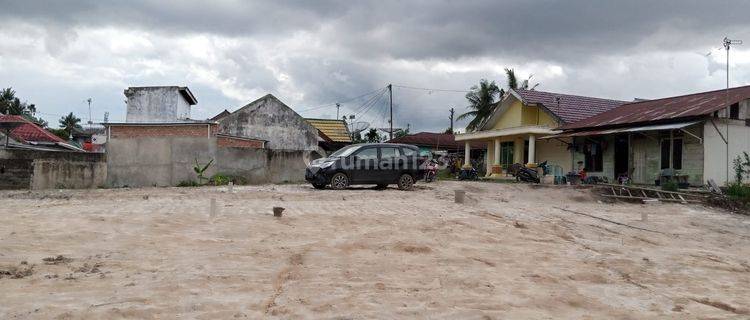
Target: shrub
(188, 183)
(738, 191)
(220, 179)
(670, 185)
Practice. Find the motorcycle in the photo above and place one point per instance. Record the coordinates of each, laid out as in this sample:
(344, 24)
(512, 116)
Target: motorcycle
(468, 174)
(431, 170)
(522, 173)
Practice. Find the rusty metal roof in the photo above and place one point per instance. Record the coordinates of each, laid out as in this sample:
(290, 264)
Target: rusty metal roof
(336, 130)
(665, 109)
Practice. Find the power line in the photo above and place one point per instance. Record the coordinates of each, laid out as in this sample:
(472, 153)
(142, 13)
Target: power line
(431, 89)
(342, 101)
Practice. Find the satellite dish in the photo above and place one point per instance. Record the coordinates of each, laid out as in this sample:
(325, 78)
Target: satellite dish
(359, 126)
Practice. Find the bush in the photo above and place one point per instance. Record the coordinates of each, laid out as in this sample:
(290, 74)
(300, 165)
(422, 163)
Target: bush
(188, 183)
(738, 191)
(670, 185)
(220, 179)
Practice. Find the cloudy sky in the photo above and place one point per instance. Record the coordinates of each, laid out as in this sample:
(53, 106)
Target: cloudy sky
(310, 54)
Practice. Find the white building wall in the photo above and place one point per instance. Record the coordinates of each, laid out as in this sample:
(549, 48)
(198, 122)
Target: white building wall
(716, 162)
(555, 152)
(156, 104)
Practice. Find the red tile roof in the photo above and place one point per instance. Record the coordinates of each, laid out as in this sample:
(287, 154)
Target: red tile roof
(29, 132)
(665, 109)
(569, 108)
(436, 140)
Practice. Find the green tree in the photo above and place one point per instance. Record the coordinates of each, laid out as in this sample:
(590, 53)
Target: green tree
(510, 74)
(449, 131)
(12, 105)
(400, 133)
(372, 136)
(481, 103)
(70, 123)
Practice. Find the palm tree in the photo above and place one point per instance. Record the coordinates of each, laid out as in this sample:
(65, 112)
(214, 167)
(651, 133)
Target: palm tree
(511, 76)
(69, 123)
(481, 102)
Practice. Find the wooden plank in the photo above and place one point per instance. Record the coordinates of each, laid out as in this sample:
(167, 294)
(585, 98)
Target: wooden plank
(655, 190)
(646, 198)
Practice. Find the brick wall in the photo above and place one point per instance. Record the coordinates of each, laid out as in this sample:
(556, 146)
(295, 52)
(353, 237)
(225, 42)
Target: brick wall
(232, 142)
(162, 130)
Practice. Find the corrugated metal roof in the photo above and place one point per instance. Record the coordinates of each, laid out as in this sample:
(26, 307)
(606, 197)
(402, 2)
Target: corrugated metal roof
(436, 140)
(336, 130)
(569, 108)
(657, 127)
(665, 109)
(28, 131)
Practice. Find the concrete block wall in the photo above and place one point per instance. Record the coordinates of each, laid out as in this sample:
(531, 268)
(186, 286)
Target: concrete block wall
(29, 169)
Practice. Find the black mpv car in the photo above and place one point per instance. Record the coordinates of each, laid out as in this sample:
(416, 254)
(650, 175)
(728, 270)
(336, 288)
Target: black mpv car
(370, 163)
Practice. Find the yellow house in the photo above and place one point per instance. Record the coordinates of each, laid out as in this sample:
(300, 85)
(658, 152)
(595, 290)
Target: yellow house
(522, 116)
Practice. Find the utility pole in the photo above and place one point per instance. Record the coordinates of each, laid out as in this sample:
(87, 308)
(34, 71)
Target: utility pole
(90, 122)
(390, 94)
(451, 117)
(338, 106)
(727, 44)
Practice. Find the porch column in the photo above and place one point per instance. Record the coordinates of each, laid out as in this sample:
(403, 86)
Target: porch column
(532, 148)
(497, 169)
(467, 155)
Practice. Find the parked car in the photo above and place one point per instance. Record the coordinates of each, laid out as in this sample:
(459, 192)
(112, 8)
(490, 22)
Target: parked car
(370, 163)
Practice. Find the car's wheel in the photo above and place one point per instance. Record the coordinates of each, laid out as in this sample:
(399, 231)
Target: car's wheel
(405, 182)
(339, 181)
(381, 187)
(319, 186)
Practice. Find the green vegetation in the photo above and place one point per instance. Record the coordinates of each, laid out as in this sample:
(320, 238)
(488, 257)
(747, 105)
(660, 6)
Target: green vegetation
(738, 191)
(741, 166)
(220, 179)
(188, 183)
(670, 185)
(12, 105)
(200, 170)
(68, 124)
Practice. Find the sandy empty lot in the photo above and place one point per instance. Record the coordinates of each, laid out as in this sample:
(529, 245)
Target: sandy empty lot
(510, 252)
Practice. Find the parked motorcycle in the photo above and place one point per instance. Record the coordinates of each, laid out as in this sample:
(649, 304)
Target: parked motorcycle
(525, 174)
(468, 174)
(431, 171)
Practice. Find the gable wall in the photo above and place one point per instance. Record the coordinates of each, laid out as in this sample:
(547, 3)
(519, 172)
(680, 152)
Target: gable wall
(518, 115)
(269, 119)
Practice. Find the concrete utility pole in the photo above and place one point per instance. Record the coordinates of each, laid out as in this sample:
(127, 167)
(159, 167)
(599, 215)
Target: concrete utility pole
(390, 94)
(727, 44)
(338, 106)
(451, 117)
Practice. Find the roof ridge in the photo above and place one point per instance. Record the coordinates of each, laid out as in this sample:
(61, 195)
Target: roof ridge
(569, 95)
(687, 95)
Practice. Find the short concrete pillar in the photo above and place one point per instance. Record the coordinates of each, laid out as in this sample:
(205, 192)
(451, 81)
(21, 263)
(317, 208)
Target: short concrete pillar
(212, 210)
(231, 187)
(459, 196)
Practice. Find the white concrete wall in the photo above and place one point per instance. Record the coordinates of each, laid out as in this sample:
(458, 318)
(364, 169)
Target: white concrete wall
(156, 104)
(715, 164)
(554, 152)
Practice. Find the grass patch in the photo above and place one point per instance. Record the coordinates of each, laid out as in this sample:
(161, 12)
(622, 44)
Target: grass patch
(738, 191)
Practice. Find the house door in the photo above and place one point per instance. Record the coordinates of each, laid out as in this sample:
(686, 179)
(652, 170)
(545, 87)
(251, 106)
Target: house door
(639, 160)
(622, 153)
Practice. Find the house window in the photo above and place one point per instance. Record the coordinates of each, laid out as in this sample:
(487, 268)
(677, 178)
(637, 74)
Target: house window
(734, 111)
(594, 155)
(675, 150)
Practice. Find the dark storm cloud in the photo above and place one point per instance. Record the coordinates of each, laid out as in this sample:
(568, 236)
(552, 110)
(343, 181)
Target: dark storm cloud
(558, 30)
(358, 46)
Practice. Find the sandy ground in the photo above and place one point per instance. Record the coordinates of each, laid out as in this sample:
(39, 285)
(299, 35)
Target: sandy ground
(157, 253)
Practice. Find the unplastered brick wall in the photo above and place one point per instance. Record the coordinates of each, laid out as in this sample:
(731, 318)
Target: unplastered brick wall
(189, 130)
(231, 142)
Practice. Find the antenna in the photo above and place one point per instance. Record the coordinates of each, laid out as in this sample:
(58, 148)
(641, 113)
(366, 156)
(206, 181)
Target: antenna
(727, 44)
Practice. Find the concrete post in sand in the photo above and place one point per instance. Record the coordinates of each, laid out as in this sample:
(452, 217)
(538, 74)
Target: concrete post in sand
(231, 187)
(277, 211)
(212, 208)
(459, 196)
